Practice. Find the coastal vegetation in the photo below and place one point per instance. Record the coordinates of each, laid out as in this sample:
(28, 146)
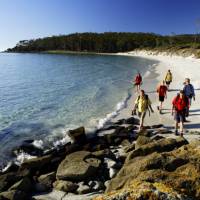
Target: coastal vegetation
(109, 42)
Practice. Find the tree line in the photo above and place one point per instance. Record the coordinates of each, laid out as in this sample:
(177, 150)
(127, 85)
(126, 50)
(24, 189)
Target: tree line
(109, 42)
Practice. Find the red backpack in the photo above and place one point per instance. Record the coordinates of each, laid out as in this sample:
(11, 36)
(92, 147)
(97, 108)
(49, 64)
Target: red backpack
(180, 104)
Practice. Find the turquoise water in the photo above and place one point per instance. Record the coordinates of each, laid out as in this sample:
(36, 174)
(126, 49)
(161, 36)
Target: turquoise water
(43, 95)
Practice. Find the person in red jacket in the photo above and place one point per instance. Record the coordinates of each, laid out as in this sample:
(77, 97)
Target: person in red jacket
(138, 81)
(179, 105)
(162, 94)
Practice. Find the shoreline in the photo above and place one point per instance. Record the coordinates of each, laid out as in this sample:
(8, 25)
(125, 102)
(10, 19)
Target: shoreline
(181, 67)
(109, 152)
(151, 78)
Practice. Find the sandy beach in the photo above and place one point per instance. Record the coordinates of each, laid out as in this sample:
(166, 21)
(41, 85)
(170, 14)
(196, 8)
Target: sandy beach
(181, 68)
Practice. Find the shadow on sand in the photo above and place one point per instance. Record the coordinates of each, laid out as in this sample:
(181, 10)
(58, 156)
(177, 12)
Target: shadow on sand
(192, 126)
(196, 110)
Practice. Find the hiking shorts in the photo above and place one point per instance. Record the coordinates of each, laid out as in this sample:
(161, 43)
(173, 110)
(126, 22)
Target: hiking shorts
(161, 98)
(167, 82)
(137, 83)
(179, 116)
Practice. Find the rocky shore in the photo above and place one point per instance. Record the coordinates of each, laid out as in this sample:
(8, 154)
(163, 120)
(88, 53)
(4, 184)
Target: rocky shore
(118, 162)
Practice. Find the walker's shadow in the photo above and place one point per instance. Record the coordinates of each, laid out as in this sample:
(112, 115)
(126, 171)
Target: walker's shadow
(197, 110)
(191, 126)
(163, 113)
(194, 115)
(151, 92)
(169, 127)
(174, 90)
(170, 90)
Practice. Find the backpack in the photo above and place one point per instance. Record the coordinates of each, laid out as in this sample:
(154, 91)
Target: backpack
(146, 98)
(182, 106)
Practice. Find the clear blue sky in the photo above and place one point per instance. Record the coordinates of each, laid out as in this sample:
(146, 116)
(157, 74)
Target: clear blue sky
(27, 19)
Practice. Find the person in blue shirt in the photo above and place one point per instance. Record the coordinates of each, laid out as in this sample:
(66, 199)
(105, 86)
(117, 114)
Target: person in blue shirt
(188, 90)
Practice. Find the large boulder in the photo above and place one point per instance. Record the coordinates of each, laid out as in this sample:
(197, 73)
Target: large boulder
(163, 145)
(78, 135)
(14, 195)
(83, 189)
(46, 180)
(142, 140)
(118, 135)
(175, 174)
(7, 180)
(10, 178)
(65, 186)
(24, 185)
(78, 166)
(37, 163)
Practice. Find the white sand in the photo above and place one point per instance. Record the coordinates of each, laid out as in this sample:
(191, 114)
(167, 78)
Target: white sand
(181, 68)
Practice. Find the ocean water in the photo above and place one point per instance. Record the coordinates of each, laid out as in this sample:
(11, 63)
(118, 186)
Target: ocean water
(42, 95)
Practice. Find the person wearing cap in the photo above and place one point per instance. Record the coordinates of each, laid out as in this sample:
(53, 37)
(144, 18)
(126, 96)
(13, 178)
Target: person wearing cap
(179, 105)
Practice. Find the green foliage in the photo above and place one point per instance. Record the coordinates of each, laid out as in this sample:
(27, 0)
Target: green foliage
(110, 42)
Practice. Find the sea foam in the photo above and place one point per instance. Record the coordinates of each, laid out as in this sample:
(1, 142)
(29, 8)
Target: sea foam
(111, 115)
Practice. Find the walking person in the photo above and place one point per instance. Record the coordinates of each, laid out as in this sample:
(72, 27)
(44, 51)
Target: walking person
(179, 104)
(168, 78)
(142, 104)
(189, 92)
(138, 81)
(162, 94)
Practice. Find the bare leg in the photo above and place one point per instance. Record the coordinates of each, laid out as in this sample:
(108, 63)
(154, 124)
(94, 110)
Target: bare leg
(181, 128)
(176, 128)
(138, 88)
(142, 120)
(161, 105)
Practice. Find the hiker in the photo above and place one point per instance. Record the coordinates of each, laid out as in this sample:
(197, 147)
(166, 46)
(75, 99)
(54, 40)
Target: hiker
(179, 105)
(168, 78)
(142, 104)
(162, 94)
(138, 81)
(189, 92)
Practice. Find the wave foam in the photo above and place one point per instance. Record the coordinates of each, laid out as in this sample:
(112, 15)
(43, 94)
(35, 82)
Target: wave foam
(21, 157)
(147, 73)
(111, 115)
(61, 142)
(38, 143)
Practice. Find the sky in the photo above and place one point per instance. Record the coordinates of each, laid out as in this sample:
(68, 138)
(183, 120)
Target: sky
(31, 19)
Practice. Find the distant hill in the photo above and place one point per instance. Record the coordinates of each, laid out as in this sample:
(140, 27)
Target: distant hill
(109, 42)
